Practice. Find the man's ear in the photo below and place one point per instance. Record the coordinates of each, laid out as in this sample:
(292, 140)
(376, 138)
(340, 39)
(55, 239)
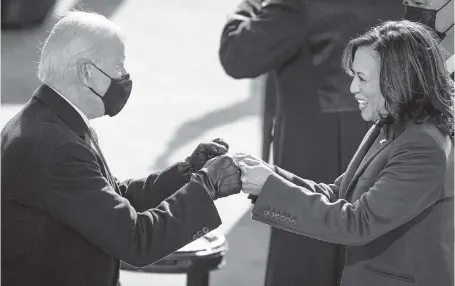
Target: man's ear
(84, 70)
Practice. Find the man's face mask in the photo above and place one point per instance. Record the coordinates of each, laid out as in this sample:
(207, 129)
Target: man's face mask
(116, 95)
(425, 16)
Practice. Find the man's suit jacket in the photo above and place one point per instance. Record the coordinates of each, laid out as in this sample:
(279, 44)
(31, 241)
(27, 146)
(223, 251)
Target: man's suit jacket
(63, 223)
(392, 208)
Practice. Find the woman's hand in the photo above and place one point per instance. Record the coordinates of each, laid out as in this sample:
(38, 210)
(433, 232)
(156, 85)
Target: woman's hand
(254, 174)
(241, 156)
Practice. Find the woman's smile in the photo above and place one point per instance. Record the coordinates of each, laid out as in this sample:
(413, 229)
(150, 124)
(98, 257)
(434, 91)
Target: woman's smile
(362, 104)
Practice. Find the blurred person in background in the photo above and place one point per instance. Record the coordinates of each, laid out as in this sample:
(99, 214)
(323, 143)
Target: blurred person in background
(316, 126)
(25, 14)
(264, 87)
(66, 220)
(439, 16)
(393, 207)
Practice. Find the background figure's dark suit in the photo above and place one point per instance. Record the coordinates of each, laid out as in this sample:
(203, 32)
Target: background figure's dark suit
(392, 208)
(317, 126)
(62, 221)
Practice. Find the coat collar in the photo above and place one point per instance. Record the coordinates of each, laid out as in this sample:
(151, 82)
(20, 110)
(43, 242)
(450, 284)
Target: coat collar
(393, 129)
(62, 109)
(390, 129)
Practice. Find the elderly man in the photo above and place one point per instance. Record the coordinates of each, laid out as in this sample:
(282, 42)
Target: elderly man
(66, 220)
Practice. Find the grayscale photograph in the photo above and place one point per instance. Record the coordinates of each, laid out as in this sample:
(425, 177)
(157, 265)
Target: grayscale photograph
(227, 143)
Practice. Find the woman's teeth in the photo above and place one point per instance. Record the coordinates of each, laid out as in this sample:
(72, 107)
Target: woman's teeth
(362, 104)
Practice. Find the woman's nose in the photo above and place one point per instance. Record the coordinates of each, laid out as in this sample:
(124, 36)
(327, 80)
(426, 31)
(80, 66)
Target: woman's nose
(354, 88)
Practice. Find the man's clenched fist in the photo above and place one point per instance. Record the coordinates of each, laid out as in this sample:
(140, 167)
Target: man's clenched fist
(202, 154)
(220, 177)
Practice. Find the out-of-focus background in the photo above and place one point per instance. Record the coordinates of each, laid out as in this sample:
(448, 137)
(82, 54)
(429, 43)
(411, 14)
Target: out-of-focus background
(181, 96)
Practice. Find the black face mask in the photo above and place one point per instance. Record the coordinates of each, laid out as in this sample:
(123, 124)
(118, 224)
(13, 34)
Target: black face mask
(116, 95)
(426, 17)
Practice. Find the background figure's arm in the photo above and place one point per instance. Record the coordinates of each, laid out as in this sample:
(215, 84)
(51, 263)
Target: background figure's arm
(261, 36)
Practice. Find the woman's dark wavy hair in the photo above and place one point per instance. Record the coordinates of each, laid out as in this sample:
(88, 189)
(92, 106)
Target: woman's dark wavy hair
(413, 76)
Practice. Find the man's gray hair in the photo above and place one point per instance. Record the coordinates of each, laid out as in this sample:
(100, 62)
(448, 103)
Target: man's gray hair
(78, 35)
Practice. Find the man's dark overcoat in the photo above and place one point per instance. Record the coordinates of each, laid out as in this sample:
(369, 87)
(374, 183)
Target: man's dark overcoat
(67, 221)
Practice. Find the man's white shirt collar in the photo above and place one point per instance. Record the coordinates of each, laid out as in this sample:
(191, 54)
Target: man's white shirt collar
(84, 117)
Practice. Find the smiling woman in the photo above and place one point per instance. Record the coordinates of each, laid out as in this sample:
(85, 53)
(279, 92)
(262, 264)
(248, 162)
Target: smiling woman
(365, 84)
(398, 71)
(392, 208)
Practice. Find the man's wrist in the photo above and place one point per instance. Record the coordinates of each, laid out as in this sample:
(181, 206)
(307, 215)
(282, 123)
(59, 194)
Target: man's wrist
(185, 168)
(202, 180)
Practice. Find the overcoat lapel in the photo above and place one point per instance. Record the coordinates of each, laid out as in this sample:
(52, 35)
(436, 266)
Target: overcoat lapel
(380, 143)
(357, 158)
(370, 148)
(76, 123)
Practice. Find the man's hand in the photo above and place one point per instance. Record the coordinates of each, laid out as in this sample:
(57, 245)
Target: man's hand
(202, 154)
(220, 176)
(254, 175)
